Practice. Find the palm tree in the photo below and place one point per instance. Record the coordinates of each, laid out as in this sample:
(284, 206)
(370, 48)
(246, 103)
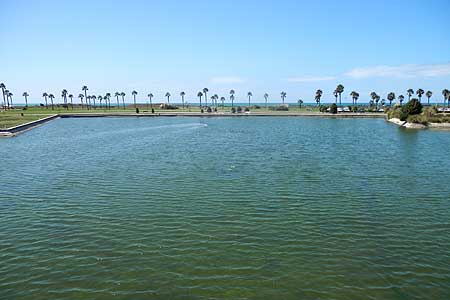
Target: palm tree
(182, 94)
(429, 94)
(222, 99)
(3, 87)
(51, 99)
(216, 97)
(401, 98)
(266, 96)
(199, 95)
(377, 98)
(339, 91)
(117, 94)
(249, 95)
(7, 98)
(419, 93)
(168, 97)
(64, 96)
(300, 102)
(123, 99)
(391, 97)
(335, 94)
(100, 98)
(318, 96)
(71, 100)
(410, 92)
(373, 96)
(25, 95)
(150, 96)
(232, 92)
(205, 91)
(9, 95)
(81, 96)
(354, 96)
(93, 97)
(134, 93)
(45, 95)
(445, 94)
(283, 96)
(85, 89)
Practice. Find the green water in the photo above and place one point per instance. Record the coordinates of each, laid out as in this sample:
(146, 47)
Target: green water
(225, 208)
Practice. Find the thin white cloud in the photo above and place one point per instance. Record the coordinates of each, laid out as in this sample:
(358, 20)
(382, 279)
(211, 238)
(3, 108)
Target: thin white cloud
(302, 79)
(227, 80)
(403, 71)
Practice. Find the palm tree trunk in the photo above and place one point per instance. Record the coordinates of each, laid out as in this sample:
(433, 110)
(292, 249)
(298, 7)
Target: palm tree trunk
(123, 102)
(26, 101)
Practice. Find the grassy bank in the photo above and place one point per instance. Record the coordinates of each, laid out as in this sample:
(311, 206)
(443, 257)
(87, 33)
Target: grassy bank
(19, 116)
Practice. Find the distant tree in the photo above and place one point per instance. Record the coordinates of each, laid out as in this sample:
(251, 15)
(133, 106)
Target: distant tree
(10, 95)
(150, 96)
(410, 92)
(391, 97)
(100, 98)
(400, 99)
(51, 99)
(222, 99)
(108, 99)
(232, 92)
(266, 96)
(318, 96)
(445, 94)
(340, 90)
(6, 93)
(117, 95)
(205, 91)
(354, 96)
(419, 93)
(199, 95)
(429, 94)
(373, 97)
(377, 99)
(249, 95)
(300, 102)
(3, 87)
(182, 94)
(71, 100)
(81, 96)
(134, 93)
(335, 94)
(216, 98)
(45, 95)
(25, 95)
(123, 99)
(93, 98)
(168, 97)
(283, 96)
(85, 89)
(64, 96)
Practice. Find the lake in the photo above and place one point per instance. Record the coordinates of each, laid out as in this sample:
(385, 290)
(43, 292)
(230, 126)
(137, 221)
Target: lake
(225, 208)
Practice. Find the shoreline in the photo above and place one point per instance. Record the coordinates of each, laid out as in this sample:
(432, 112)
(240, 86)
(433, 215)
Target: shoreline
(15, 130)
(408, 125)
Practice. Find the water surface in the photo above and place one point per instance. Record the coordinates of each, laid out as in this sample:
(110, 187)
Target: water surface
(225, 208)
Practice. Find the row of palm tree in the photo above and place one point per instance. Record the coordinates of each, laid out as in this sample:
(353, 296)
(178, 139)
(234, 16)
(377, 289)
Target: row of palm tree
(90, 103)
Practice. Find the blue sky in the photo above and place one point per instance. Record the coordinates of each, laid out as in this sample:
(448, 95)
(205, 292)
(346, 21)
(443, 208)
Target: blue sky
(260, 46)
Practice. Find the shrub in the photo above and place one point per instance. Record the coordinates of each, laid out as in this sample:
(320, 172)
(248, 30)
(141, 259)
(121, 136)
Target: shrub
(247, 109)
(323, 108)
(354, 108)
(239, 109)
(413, 107)
(137, 110)
(256, 106)
(233, 110)
(209, 110)
(283, 107)
(333, 108)
(168, 106)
